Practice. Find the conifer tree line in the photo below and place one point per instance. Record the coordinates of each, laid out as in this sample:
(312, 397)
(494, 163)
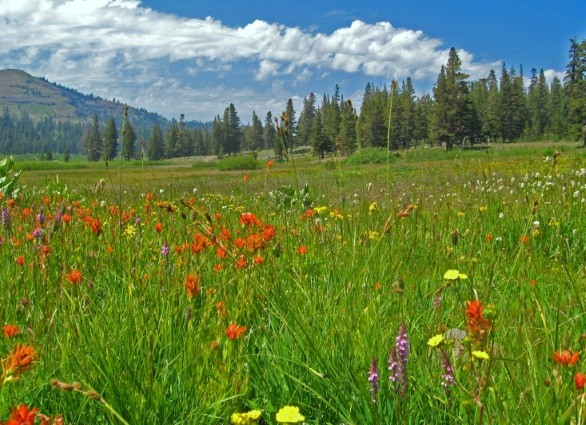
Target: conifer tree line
(458, 111)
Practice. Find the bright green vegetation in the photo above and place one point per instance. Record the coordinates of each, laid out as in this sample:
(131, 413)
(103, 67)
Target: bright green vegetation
(309, 293)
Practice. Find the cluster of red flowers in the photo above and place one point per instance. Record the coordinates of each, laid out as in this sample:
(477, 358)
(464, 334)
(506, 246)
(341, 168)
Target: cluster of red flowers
(23, 415)
(478, 324)
(192, 285)
(234, 331)
(566, 358)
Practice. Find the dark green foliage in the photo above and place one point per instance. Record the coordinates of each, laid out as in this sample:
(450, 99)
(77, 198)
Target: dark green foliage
(128, 151)
(93, 142)
(156, 148)
(110, 140)
(238, 162)
(369, 155)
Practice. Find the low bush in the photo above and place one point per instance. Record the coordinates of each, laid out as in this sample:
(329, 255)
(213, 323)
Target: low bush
(239, 162)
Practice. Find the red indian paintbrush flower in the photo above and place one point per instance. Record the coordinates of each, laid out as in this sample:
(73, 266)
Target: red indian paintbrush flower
(11, 331)
(22, 415)
(580, 381)
(566, 358)
(192, 285)
(74, 277)
(233, 331)
(18, 361)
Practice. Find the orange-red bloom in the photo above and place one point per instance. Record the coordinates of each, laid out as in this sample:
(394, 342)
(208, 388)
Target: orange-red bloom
(302, 250)
(474, 309)
(159, 227)
(565, 357)
(74, 277)
(241, 263)
(18, 361)
(11, 331)
(270, 163)
(20, 260)
(22, 415)
(580, 380)
(192, 285)
(233, 331)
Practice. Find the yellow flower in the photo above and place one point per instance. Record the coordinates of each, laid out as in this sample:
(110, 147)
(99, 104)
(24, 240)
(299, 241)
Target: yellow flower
(481, 355)
(130, 231)
(289, 415)
(320, 210)
(373, 207)
(482, 208)
(372, 234)
(248, 418)
(436, 340)
(460, 214)
(454, 275)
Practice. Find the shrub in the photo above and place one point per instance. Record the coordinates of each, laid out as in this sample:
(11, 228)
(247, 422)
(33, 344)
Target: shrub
(368, 156)
(239, 162)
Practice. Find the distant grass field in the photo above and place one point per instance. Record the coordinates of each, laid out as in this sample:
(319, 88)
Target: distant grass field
(446, 287)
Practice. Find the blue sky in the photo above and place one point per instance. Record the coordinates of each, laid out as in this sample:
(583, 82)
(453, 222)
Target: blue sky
(196, 57)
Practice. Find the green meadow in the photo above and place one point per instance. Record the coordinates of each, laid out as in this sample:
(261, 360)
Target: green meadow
(424, 287)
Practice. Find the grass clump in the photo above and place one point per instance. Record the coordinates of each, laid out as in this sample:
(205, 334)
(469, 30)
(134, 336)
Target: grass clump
(238, 162)
(369, 155)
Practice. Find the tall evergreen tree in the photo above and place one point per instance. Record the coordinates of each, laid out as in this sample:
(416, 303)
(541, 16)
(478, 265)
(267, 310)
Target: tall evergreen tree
(453, 115)
(128, 150)
(575, 89)
(171, 137)
(156, 148)
(306, 120)
(232, 130)
(110, 140)
(290, 124)
(557, 120)
(94, 146)
(319, 140)
(256, 139)
(347, 133)
(269, 132)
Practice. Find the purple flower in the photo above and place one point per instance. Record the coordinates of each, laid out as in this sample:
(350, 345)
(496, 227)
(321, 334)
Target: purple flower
(6, 218)
(448, 375)
(165, 250)
(398, 361)
(41, 218)
(373, 379)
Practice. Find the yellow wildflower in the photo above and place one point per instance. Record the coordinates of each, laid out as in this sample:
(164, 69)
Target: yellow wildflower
(454, 275)
(130, 231)
(289, 415)
(372, 234)
(436, 340)
(373, 207)
(481, 355)
(248, 418)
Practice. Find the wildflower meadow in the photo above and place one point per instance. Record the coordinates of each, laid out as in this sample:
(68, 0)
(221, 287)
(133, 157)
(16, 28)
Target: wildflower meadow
(440, 287)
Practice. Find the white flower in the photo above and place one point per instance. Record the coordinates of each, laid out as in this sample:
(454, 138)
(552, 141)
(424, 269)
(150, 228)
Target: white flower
(501, 215)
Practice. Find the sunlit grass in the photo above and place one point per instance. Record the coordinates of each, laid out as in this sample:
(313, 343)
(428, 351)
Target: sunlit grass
(201, 292)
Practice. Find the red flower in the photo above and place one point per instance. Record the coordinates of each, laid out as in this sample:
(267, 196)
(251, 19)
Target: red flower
(11, 331)
(248, 219)
(22, 415)
(258, 259)
(74, 277)
(159, 227)
(474, 309)
(241, 263)
(270, 163)
(192, 285)
(20, 260)
(18, 361)
(302, 250)
(268, 232)
(96, 226)
(233, 331)
(565, 357)
(580, 380)
(524, 239)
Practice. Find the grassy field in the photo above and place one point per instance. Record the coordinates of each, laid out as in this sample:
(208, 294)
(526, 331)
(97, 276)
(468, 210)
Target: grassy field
(444, 287)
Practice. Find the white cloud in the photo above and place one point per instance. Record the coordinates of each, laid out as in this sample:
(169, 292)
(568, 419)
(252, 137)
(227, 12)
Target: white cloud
(105, 45)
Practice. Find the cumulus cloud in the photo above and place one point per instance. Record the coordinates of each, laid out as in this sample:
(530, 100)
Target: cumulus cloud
(108, 43)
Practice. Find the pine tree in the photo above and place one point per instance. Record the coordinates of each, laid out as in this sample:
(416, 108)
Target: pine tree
(94, 144)
(232, 130)
(557, 120)
(318, 138)
(407, 107)
(217, 137)
(306, 120)
(291, 125)
(171, 137)
(454, 115)
(347, 134)
(128, 150)
(256, 139)
(110, 140)
(575, 90)
(156, 149)
(269, 132)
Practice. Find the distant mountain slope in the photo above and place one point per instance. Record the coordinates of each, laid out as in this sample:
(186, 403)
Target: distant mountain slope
(21, 92)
